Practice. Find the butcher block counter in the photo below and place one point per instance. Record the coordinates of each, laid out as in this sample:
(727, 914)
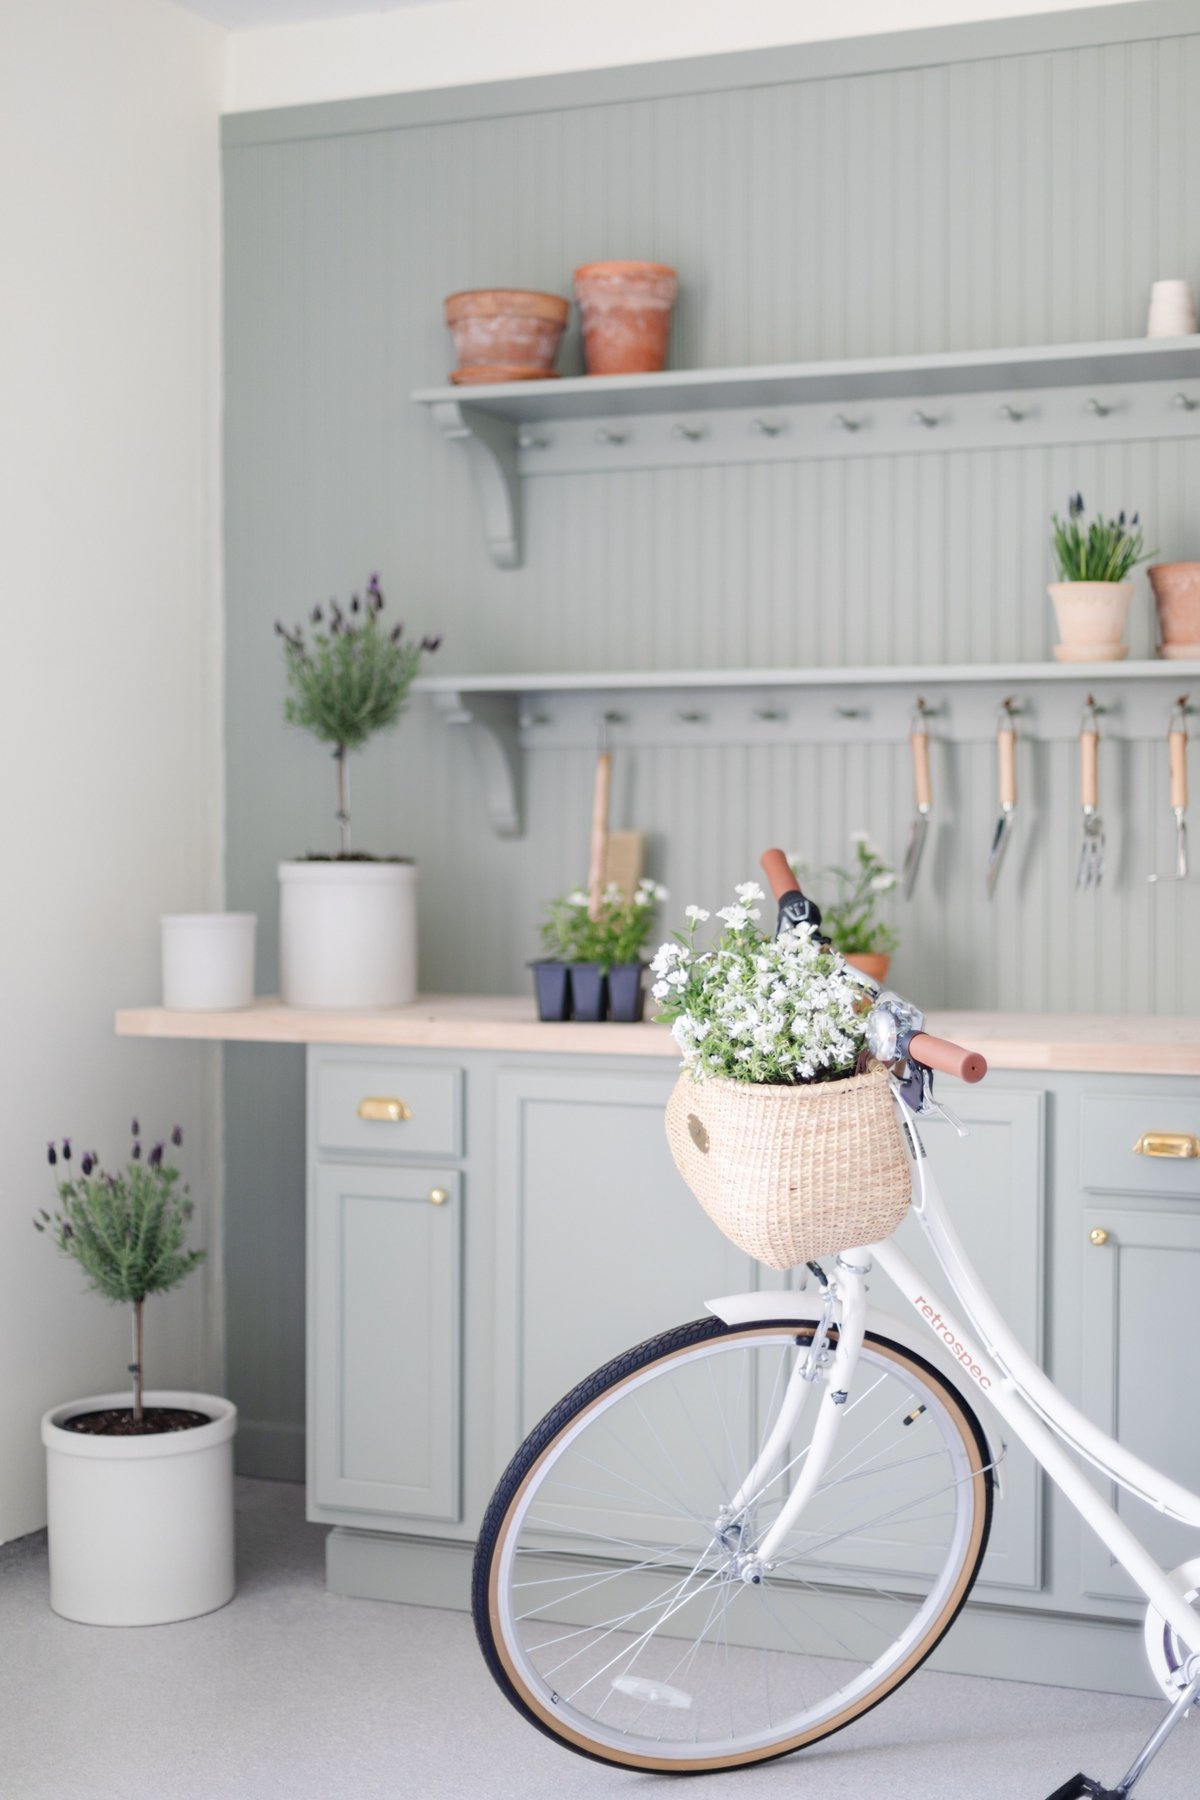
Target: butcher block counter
(1116, 1044)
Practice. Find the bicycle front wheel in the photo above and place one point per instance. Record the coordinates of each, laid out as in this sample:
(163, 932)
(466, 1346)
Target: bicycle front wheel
(612, 1593)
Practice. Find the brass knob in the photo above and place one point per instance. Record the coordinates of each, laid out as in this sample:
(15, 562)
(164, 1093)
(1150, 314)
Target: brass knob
(1098, 1236)
(438, 1196)
(383, 1107)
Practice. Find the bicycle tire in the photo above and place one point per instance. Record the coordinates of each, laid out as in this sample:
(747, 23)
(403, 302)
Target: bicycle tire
(671, 1350)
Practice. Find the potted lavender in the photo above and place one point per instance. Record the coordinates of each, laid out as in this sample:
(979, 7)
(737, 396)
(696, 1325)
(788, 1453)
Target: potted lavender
(140, 1483)
(348, 920)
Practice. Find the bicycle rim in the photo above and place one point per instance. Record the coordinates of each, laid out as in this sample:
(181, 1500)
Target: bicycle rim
(610, 1595)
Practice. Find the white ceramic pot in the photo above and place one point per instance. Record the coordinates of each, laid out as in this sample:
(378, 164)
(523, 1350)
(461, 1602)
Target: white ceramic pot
(347, 934)
(1172, 310)
(208, 961)
(1091, 619)
(141, 1528)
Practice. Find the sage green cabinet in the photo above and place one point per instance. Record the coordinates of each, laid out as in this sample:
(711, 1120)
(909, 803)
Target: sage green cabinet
(385, 1368)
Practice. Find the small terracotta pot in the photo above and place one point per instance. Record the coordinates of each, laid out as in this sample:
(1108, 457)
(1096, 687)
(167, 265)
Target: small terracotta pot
(506, 329)
(874, 963)
(625, 310)
(1177, 597)
(1091, 619)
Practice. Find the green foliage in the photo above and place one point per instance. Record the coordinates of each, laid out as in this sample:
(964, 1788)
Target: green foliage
(126, 1231)
(851, 920)
(1106, 551)
(618, 934)
(351, 679)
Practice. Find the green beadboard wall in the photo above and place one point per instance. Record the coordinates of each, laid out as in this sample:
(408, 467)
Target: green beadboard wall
(1027, 195)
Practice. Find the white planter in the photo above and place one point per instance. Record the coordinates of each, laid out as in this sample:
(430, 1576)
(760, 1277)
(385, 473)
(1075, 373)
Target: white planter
(347, 934)
(141, 1528)
(1172, 310)
(1091, 619)
(208, 961)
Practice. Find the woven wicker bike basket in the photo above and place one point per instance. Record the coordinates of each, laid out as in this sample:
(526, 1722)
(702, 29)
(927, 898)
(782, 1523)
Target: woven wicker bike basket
(792, 1173)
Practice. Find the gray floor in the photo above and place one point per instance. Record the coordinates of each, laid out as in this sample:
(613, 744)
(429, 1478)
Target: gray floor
(292, 1692)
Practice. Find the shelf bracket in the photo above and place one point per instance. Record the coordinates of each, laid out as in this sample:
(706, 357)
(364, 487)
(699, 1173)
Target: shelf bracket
(491, 446)
(490, 722)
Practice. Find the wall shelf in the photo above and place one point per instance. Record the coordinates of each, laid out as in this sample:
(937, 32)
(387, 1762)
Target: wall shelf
(505, 715)
(1076, 393)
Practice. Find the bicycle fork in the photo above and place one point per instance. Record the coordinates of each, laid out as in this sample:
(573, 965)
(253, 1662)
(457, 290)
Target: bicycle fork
(832, 1371)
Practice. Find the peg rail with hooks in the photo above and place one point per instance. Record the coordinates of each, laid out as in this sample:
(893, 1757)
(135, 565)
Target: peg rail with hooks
(505, 715)
(1066, 393)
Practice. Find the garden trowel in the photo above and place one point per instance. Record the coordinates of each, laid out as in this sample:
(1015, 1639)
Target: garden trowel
(1006, 757)
(923, 797)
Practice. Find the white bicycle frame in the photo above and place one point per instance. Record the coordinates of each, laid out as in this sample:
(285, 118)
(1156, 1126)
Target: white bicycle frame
(993, 1362)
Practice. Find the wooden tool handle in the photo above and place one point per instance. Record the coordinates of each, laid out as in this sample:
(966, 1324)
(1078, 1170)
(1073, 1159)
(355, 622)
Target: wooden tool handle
(1089, 786)
(1006, 743)
(1179, 789)
(600, 797)
(922, 787)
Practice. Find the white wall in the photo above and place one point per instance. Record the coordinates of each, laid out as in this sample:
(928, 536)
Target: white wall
(110, 755)
(464, 41)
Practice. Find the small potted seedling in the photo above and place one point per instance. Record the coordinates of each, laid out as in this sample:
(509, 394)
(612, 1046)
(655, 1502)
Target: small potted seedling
(1091, 597)
(139, 1484)
(348, 921)
(851, 919)
(594, 962)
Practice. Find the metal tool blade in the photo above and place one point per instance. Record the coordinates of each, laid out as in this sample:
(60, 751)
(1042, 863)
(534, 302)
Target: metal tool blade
(1003, 832)
(1181, 846)
(912, 855)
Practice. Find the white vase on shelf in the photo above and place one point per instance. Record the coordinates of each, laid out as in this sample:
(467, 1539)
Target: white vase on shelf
(1172, 310)
(208, 961)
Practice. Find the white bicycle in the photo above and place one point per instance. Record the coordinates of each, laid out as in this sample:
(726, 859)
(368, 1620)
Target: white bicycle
(738, 1537)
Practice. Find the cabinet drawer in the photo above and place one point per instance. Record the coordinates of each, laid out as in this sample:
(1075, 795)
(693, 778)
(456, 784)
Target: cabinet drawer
(392, 1108)
(1112, 1124)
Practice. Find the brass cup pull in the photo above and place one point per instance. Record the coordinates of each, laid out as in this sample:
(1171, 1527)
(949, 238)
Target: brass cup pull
(1098, 1236)
(1167, 1143)
(438, 1196)
(380, 1107)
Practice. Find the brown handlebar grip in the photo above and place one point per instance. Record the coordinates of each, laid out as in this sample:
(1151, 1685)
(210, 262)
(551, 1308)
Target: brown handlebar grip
(951, 1059)
(778, 871)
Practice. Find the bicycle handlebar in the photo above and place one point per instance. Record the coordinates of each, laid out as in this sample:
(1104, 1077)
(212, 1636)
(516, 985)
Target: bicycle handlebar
(933, 1052)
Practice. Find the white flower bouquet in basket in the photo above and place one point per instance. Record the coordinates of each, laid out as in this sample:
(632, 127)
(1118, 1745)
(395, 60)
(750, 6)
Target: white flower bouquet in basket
(780, 1125)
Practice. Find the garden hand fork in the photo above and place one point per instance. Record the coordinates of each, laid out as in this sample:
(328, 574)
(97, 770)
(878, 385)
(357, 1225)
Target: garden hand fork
(1090, 868)
(1177, 739)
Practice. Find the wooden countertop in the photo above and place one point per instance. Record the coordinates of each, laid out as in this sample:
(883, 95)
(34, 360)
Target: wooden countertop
(1128, 1044)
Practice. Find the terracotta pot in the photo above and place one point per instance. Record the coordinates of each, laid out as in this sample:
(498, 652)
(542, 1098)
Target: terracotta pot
(1177, 597)
(1091, 619)
(874, 963)
(506, 329)
(625, 310)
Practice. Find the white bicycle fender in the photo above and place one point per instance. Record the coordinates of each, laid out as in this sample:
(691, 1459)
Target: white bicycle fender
(805, 1309)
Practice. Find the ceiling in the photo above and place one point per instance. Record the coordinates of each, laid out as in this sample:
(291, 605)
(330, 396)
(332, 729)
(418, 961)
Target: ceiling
(241, 15)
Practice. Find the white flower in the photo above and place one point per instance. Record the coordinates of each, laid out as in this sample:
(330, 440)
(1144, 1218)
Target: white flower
(612, 893)
(577, 897)
(660, 892)
(697, 913)
(860, 837)
(881, 883)
(660, 990)
(734, 916)
(749, 890)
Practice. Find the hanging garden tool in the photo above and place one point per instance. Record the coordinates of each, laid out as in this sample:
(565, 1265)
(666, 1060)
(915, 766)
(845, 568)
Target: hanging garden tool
(1090, 868)
(616, 858)
(918, 737)
(1006, 758)
(1177, 741)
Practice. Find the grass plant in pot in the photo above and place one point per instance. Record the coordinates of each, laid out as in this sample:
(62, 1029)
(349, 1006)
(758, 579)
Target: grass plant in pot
(139, 1486)
(348, 921)
(1091, 597)
(851, 919)
(779, 1123)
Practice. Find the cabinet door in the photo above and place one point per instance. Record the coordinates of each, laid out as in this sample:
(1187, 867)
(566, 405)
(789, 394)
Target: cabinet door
(993, 1182)
(599, 1242)
(384, 1343)
(1142, 1278)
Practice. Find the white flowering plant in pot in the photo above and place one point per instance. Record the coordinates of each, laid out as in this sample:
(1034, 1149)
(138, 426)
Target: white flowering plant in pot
(779, 1123)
